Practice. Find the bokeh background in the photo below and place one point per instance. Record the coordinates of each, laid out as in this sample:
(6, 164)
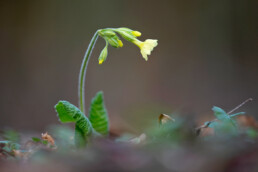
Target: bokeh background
(207, 55)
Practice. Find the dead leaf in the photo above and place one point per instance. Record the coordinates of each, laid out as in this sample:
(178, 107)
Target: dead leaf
(206, 132)
(247, 121)
(163, 118)
(48, 138)
(138, 140)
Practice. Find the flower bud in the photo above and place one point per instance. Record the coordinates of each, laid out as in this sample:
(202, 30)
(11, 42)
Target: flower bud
(113, 42)
(111, 37)
(105, 32)
(120, 43)
(126, 35)
(103, 54)
(124, 29)
(136, 33)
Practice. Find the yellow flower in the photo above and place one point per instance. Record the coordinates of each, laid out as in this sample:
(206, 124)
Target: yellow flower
(146, 46)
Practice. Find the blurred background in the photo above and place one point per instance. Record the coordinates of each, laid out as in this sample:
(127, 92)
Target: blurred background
(207, 55)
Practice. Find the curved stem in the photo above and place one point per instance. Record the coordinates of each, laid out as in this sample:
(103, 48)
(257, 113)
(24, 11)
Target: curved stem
(83, 70)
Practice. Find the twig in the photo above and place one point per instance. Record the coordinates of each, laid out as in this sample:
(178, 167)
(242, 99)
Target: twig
(246, 101)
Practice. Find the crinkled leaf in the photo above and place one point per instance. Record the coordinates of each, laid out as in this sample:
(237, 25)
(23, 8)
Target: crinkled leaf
(220, 114)
(98, 114)
(66, 111)
(79, 137)
(70, 113)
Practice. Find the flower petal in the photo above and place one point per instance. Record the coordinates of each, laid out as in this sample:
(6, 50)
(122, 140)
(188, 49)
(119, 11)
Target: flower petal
(147, 46)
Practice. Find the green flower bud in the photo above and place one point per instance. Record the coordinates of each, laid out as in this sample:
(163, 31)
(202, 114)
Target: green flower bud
(111, 37)
(103, 54)
(128, 34)
(136, 33)
(114, 41)
(125, 29)
(106, 33)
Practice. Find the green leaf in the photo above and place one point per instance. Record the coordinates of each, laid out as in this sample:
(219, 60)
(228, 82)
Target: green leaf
(36, 139)
(11, 135)
(66, 111)
(64, 136)
(9, 146)
(252, 133)
(44, 142)
(220, 114)
(79, 137)
(236, 114)
(98, 114)
(233, 122)
(70, 113)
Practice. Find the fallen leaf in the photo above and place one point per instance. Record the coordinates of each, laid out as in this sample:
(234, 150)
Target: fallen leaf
(138, 140)
(48, 138)
(163, 118)
(247, 121)
(206, 132)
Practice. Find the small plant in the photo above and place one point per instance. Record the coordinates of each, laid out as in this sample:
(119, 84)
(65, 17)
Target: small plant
(172, 141)
(97, 121)
(224, 123)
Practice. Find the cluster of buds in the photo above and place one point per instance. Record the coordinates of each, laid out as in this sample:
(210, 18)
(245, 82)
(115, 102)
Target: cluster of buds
(112, 39)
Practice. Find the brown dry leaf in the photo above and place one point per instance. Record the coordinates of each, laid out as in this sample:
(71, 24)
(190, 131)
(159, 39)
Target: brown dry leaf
(19, 154)
(2, 155)
(163, 118)
(48, 138)
(247, 121)
(138, 140)
(206, 132)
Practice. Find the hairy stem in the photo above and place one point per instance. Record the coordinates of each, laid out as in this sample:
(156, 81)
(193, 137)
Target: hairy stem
(83, 70)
